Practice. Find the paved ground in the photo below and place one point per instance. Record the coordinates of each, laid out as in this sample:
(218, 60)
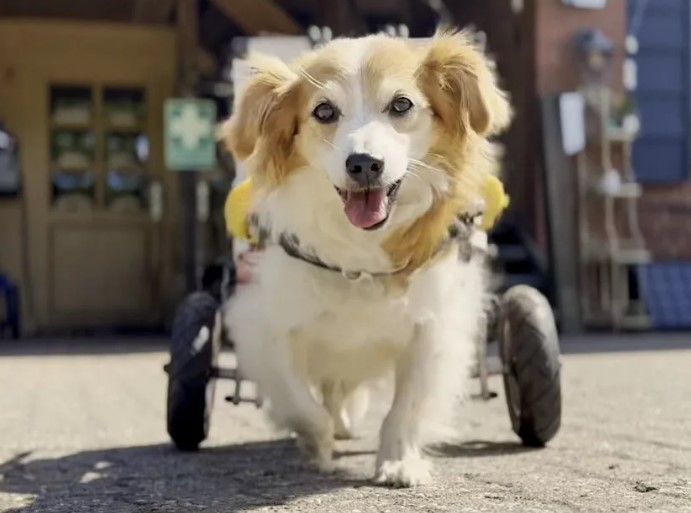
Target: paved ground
(82, 430)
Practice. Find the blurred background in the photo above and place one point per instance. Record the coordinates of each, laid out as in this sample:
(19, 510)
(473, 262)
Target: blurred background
(112, 187)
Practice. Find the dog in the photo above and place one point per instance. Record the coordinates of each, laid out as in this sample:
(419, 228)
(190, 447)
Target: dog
(362, 154)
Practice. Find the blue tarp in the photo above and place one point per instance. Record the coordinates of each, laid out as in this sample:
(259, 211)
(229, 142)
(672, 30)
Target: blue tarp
(666, 290)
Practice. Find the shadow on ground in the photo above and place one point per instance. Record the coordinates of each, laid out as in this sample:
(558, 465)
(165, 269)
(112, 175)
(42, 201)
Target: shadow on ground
(84, 346)
(157, 478)
(479, 448)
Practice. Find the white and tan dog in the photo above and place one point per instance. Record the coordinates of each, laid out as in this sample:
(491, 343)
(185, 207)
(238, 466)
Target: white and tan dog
(362, 154)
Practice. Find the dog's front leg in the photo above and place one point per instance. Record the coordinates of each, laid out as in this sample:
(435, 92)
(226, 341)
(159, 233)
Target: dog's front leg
(347, 404)
(399, 461)
(292, 404)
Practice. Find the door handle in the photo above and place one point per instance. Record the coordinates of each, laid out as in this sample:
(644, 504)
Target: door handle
(156, 201)
(203, 201)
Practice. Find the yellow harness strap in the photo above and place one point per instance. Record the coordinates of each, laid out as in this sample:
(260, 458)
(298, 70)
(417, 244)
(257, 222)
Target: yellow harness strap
(236, 210)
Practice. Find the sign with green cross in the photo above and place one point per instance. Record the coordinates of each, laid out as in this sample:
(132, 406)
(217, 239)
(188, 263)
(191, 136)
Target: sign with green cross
(190, 143)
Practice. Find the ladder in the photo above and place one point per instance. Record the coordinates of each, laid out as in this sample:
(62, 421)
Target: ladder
(611, 242)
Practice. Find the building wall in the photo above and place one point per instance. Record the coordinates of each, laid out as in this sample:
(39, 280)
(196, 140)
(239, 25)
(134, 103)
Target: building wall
(10, 239)
(556, 25)
(11, 216)
(552, 26)
(664, 209)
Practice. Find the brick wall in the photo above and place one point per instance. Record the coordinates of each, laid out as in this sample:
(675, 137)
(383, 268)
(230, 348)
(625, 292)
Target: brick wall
(665, 215)
(556, 70)
(556, 24)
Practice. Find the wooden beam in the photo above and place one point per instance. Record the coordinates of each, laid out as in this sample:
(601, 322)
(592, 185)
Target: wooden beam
(153, 11)
(207, 66)
(188, 33)
(255, 16)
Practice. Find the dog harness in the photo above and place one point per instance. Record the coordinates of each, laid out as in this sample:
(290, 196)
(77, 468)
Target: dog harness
(459, 232)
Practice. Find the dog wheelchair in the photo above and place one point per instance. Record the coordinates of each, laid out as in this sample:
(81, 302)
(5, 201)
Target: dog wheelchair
(520, 321)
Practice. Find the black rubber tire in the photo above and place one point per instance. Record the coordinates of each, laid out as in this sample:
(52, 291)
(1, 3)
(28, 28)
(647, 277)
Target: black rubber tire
(190, 383)
(529, 349)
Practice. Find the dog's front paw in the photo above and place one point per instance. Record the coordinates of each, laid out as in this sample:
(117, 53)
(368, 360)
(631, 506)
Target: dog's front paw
(414, 471)
(319, 451)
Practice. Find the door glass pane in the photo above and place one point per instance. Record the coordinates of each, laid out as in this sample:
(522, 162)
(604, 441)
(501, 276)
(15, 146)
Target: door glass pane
(126, 191)
(126, 149)
(124, 107)
(129, 150)
(73, 191)
(72, 149)
(71, 105)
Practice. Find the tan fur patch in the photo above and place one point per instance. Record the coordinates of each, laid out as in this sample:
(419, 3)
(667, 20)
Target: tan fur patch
(390, 59)
(462, 87)
(266, 120)
(416, 244)
(467, 104)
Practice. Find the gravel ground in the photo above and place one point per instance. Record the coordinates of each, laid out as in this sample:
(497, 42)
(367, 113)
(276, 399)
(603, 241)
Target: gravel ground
(82, 430)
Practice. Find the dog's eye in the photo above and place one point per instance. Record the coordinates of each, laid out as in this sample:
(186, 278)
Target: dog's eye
(400, 106)
(325, 113)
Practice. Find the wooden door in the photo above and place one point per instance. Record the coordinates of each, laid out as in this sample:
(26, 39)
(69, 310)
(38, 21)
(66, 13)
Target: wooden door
(103, 240)
(87, 106)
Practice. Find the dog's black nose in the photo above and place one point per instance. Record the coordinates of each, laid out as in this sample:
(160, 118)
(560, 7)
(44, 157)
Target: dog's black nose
(364, 168)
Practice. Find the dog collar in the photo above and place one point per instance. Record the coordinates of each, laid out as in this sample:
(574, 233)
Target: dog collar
(291, 246)
(459, 232)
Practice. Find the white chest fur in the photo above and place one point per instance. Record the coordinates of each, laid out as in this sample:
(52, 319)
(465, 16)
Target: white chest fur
(345, 326)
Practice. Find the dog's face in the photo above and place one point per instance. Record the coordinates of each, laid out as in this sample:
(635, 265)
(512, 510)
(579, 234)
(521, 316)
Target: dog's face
(366, 122)
(384, 121)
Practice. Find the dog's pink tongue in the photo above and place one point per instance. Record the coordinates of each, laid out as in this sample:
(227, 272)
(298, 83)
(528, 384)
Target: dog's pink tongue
(366, 208)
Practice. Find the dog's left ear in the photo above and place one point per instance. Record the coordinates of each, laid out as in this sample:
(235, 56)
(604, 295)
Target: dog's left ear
(264, 122)
(461, 86)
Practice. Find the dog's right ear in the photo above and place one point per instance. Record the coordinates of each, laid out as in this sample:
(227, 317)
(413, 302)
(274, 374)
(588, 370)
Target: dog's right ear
(261, 109)
(462, 87)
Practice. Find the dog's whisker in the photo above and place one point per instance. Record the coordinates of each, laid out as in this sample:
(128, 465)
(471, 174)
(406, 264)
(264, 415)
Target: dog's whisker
(468, 181)
(436, 188)
(439, 157)
(416, 172)
(426, 170)
(315, 82)
(329, 143)
(412, 174)
(420, 163)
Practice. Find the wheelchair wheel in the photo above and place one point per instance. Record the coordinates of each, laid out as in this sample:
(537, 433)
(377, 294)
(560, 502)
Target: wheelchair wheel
(529, 349)
(191, 385)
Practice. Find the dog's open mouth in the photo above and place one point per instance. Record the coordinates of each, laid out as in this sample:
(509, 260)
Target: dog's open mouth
(369, 208)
